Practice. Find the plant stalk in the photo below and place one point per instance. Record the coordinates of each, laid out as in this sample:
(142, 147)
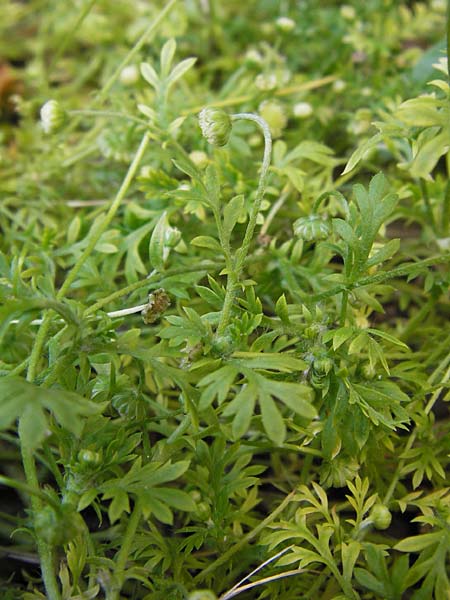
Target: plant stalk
(241, 254)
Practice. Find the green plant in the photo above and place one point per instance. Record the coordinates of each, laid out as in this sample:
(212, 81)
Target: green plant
(224, 361)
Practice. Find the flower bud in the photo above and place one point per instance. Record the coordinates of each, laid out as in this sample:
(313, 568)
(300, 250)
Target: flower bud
(302, 110)
(285, 24)
(347, 12)
(266, 81)
(339, 86)
(172, 236)
(199, 158)
(129, 75)
(89, 458)
(380, 516)
(253, 57)
(275, 116)
(53, 116)
(215, 125)
(202, 595)
(312, 228)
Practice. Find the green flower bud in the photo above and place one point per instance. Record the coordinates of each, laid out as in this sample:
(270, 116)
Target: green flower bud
(223, 345)
(215, 125)
(275, 116)
(380, 516)
(53, 116)
(172, 236)
(199, 158)
(312, 228)
(202, 595)
(89, 458)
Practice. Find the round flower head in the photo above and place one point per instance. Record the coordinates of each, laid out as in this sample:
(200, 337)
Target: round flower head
(215, 125)
(129, 75)
(199, 158)
(202, 595)
(380, 516)
(275, 116)
(311, 229)
(302, 110)
(53, 116)
(285, 24)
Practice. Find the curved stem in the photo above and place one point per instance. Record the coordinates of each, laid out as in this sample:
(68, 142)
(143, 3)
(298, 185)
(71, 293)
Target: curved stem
(241, 254)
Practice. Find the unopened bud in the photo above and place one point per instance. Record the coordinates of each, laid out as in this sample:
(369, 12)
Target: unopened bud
(380, 516)
(285, 24)
(311, 229)
(53, 116)
(215, 125)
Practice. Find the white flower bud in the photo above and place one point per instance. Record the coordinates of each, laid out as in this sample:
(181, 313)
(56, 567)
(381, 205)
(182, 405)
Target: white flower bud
(285, 24)
(347, 12)
(253, 57)
(302, 110)
(199, 158)
(266, 81)
(339, 85)
(53, 116)
(129, 75)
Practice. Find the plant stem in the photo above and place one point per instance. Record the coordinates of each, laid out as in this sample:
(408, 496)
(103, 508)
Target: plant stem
(99, 229)
(412, 438)
(382, 276)
(125, 547)
(287, 91)
(68, 36)
(108, 114)
(129, 57)
(247, 538)
(95, 234)
(241, 254)
(44, 549)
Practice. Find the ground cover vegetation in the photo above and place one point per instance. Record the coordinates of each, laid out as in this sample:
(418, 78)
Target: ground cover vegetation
(224, 338)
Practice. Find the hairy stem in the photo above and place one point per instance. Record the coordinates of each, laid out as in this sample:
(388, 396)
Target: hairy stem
(124, 552)
(241, 254)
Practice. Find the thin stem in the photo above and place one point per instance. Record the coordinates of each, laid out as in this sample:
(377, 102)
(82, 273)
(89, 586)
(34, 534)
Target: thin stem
(136, 48)
(125, 547)
(126, 311)
(108, 114)
(412, 438)
(68, 36)
(258, 568)
(241, 254)
(246, 539)
(95, 234)
(44, 549)
(101, 227)
(273, 211)
(400, 271)
(448, 39)
(287, 91)
(249, 586)
(428, 207)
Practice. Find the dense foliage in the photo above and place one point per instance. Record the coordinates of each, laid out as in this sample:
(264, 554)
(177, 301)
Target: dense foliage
(224, 349)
